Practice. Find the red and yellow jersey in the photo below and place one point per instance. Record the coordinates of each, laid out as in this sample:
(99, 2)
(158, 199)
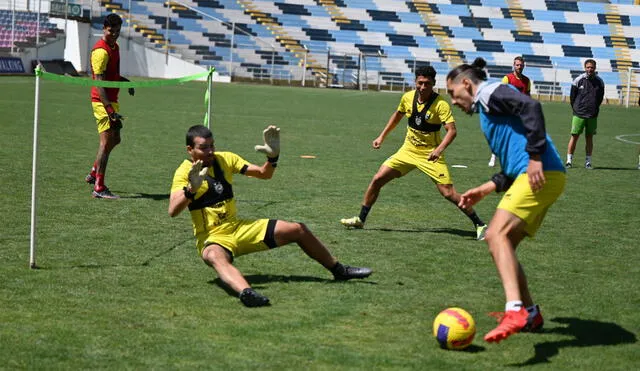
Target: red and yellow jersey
(214, 203)
(105, 60)
(522, 84)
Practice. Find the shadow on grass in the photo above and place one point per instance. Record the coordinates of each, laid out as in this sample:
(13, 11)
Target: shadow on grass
(454, 231)
(155, 197)
(474, 349)
(585, 333)
(614, 168)
(145, 263)
(258, 280)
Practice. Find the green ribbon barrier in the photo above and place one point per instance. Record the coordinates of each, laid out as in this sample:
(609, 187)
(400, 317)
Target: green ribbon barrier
(119, 84)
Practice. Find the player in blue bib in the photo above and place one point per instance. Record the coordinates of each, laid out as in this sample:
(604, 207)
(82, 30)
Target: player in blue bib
(532, 177)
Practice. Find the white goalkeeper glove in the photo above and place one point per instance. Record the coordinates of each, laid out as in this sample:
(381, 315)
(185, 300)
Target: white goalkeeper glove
(271, 146)
(196, 176)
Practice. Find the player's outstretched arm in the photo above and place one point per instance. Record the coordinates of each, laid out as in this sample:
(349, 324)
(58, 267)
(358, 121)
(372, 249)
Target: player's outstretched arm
(474, 195)
(271, 148)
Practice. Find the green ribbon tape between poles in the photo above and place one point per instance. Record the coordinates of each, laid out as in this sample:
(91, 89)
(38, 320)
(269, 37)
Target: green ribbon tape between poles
(118, 84)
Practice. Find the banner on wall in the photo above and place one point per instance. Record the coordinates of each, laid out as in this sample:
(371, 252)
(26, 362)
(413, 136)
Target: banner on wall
(11, 65)
(60, 8)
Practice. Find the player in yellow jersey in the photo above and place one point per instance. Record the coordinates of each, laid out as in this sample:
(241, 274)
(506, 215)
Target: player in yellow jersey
(423, 147)
(203, 184)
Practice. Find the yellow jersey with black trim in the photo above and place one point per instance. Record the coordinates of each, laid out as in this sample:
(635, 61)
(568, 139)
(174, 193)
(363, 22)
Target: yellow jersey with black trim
(425, 120)
(214, 203)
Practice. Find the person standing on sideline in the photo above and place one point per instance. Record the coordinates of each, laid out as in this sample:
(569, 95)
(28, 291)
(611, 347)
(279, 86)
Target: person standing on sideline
(520, 82)
(203, 184)
(532, 176)
(423, 148)
(587, 92)
(105, 65)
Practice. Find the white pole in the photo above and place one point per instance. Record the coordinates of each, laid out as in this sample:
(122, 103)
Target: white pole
(13, 24)
(555, 79)
(88, 68)
(128, 27)
(32, 245)
(626, 104)
(210, 100)
(273, 60)
(166, 34)
(233, 39)
(38, 32)
(304, 64)
(66, 11)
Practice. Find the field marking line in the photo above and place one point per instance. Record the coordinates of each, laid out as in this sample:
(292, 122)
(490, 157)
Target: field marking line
(620, 138)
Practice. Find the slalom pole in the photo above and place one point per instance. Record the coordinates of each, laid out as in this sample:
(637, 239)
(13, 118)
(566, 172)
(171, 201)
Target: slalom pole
(34, 165)
(209, 96)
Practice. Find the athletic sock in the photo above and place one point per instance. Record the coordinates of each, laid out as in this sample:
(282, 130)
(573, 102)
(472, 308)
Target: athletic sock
(93, 170)
(364, 211)
(514, 305)
(587, 159)
(474, 218)
(569, 157)
(99, 186)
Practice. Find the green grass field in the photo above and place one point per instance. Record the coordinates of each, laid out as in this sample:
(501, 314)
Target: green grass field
(120, 285)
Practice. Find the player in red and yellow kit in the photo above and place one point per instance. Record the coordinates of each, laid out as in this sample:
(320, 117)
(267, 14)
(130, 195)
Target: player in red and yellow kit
(203, 184)
(520, 82)
(105, 65)
(423, 148)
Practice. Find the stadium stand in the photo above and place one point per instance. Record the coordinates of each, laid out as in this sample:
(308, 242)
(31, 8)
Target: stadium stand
(21, 32)
(380, 42)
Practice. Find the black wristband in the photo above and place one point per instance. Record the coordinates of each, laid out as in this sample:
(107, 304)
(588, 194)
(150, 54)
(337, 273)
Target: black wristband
(502, 182)
(273, 160)
(188, 194)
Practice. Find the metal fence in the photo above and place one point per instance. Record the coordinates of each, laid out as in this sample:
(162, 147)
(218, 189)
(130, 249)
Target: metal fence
(332, 69)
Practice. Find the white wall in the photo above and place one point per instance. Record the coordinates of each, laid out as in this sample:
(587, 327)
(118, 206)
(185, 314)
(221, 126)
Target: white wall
(135, 59)
(54, 50)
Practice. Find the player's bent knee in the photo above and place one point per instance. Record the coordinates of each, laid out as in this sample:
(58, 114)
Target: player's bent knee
(302, 229)
(215, 256)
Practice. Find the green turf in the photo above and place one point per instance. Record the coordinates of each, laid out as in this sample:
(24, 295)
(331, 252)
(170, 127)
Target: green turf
(121, 285)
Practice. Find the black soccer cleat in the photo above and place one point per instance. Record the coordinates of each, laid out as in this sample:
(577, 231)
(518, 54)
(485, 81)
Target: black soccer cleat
(251, 299)
(346, 272)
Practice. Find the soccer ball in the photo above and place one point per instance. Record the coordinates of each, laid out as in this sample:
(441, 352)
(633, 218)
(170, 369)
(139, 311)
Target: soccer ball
(454, 328)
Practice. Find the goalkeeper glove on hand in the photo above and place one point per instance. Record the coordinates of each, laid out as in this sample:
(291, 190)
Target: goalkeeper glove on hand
(271, 146)
(196, 175)
(114, 117)
(132, 91)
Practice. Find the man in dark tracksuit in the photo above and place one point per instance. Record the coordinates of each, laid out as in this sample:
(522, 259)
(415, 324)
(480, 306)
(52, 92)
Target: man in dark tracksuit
(587, 92)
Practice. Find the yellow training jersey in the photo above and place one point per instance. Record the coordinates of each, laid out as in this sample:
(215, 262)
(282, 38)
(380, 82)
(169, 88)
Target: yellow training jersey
(214, 203)
(423, 130)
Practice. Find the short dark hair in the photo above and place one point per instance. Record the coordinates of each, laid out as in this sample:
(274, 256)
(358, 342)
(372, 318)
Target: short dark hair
(475, 71)
(590, 61)
(518, 58)
(112, 20)
(198, 131)
(426, 71)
